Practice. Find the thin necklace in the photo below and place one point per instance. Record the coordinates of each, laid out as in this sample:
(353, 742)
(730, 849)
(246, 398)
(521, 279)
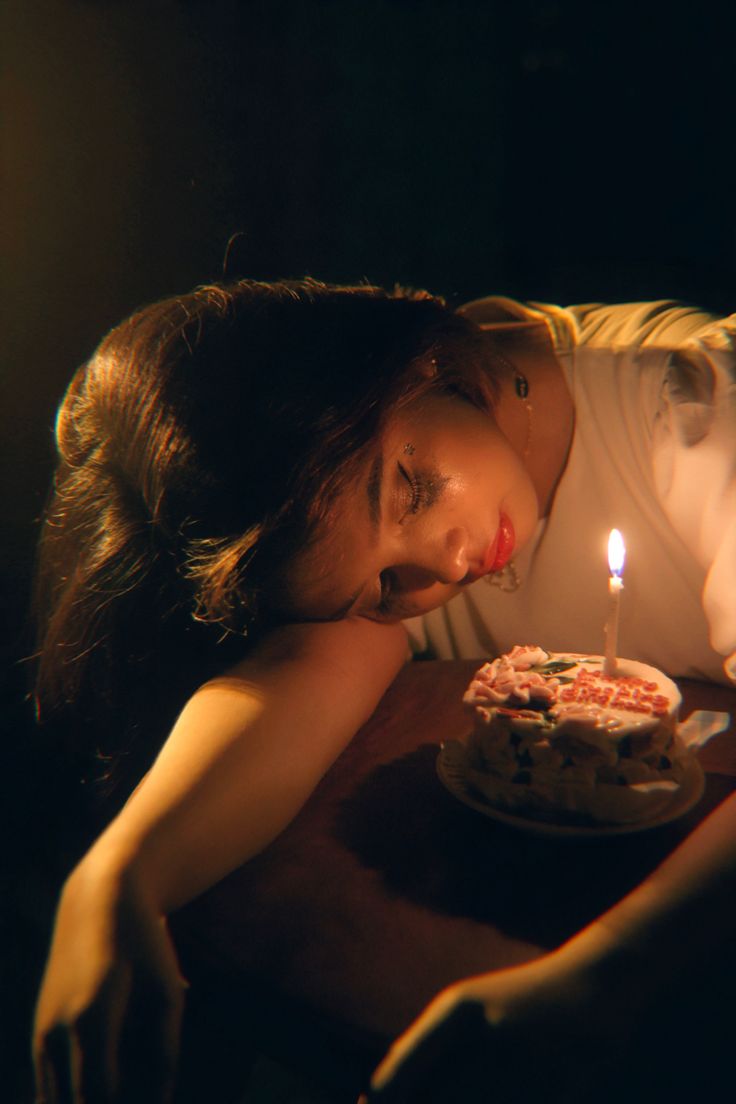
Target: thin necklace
(521, 387)
(508, 579)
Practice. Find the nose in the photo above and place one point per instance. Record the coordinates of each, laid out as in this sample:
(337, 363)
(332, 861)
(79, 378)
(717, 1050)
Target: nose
(449, 561)
(443, 559)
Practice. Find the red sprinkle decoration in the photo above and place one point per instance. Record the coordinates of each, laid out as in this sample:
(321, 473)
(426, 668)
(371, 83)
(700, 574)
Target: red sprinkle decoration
(630, 693)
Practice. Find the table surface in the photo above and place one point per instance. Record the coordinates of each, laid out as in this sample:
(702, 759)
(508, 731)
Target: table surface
(386, 888)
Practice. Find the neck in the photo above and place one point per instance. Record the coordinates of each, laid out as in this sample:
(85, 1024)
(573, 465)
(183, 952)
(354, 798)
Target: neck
(539, 426)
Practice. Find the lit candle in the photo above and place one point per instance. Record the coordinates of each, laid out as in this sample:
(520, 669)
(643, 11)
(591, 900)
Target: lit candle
(616, 557)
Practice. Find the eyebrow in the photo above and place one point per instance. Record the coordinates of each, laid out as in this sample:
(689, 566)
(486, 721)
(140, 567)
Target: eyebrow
(373, 489)
(373, 492)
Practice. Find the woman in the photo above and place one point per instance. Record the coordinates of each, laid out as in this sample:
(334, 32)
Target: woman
(257, 484)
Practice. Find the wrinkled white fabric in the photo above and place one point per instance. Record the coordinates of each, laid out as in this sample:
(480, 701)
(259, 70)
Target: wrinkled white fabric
(654, 455)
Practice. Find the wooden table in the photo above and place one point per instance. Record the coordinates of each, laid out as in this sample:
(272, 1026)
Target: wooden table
(386, 888)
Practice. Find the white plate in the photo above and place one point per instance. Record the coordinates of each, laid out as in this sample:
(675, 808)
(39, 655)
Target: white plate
(451, 769)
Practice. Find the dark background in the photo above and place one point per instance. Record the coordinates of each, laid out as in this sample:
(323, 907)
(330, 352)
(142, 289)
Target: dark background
(564, 151)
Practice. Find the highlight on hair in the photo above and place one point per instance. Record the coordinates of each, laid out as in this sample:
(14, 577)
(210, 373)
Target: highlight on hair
(200, 447)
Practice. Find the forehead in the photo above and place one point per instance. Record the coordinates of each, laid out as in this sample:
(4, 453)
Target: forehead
(323, 578)
(326, 578)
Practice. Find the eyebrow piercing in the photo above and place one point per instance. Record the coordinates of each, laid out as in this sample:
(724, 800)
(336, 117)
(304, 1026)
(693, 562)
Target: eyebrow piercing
(409, 449)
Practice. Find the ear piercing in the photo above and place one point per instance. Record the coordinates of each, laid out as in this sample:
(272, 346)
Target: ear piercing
(409, 449)
(521, 388)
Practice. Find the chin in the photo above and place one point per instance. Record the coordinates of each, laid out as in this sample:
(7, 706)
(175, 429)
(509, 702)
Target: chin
(436, 602)
(524, 536)
(525, 521)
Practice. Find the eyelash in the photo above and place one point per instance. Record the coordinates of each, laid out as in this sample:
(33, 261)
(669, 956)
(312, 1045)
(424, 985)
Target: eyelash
(420, 496)
(418, 492)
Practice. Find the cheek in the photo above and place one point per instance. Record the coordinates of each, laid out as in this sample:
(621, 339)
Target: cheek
(422, 601)
(488, 469)
(526, 507)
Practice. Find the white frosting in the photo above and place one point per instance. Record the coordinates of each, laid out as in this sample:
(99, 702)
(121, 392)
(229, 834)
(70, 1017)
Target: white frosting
(553, 736)
(510, 678)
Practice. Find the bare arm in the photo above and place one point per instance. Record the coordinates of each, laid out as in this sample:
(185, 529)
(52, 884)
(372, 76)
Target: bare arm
(244, 755)
(247, 751)
(638, 972)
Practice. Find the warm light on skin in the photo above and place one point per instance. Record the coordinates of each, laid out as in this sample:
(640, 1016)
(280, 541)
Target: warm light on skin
(441, 506)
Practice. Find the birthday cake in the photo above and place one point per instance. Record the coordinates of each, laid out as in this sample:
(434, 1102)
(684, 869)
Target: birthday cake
(555, 739)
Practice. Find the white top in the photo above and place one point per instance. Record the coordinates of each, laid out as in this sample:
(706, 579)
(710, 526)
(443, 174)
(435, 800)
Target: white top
(654, 455)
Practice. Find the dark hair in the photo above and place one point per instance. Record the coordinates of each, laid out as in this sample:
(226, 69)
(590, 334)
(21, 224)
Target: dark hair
(202, 444)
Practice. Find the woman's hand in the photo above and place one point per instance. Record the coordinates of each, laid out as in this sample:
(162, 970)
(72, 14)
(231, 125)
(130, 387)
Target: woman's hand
(528, 1033)
(596, 1019)
(110, 1007)
(243, 757)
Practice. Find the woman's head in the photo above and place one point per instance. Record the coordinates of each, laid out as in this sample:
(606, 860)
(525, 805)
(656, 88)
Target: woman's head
(209, 439)
(443, 499)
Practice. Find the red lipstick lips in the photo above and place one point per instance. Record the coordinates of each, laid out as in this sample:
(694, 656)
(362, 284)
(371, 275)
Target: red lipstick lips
(502, 548)
(499, 553)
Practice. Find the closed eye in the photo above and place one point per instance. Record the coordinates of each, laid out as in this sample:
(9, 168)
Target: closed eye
(417, 492)
(424, 490)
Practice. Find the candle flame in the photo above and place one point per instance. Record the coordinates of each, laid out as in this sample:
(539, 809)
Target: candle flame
(616, 553)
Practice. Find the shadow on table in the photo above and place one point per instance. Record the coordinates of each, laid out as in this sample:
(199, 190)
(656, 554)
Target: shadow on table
(437, 853)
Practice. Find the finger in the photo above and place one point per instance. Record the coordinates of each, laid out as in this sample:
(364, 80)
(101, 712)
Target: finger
(52, 1066)
(436, 1062)
(405, 1050)
(150, 1045)
(94, 1064)
(172, 1038)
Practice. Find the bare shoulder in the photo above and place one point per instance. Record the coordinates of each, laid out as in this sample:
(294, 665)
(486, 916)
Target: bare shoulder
(329, 661)
(330, 641)
(299, 696)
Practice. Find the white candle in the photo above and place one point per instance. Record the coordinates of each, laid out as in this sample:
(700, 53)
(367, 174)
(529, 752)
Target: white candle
(616, 557)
